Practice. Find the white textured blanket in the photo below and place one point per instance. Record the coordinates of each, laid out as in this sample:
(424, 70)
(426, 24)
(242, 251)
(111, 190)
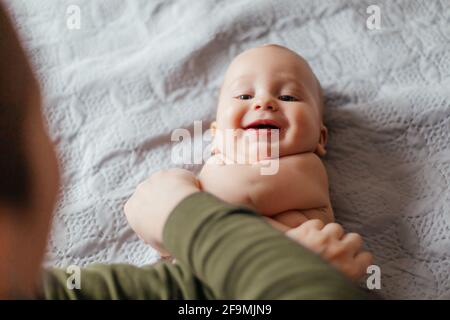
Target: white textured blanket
(117, 87)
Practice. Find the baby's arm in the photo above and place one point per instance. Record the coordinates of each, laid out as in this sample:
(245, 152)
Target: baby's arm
(313, 178)
(294, 218)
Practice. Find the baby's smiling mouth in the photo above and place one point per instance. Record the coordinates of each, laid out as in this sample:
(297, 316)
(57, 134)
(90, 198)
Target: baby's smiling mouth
(263, 124)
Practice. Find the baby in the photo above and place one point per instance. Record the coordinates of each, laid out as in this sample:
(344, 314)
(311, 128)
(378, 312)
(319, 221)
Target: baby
(270, 112)
(270, 91)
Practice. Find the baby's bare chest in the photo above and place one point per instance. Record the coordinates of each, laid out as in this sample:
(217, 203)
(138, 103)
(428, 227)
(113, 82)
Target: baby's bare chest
(289, 187)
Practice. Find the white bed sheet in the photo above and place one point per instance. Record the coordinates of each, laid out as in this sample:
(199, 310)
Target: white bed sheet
(136, 70)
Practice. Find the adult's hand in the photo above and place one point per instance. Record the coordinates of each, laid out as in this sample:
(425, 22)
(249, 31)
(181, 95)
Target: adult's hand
(340, 249)
(154, 199)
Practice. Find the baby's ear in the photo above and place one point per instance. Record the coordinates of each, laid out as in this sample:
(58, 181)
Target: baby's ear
(320, 150)
(213, 128)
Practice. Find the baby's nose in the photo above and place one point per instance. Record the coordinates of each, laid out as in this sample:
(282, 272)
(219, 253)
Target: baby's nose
(269, 106)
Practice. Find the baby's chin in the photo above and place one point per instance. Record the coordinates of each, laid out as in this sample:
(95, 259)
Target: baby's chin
(253, 146)
(272, 146)
(252, 154)
(256, 152)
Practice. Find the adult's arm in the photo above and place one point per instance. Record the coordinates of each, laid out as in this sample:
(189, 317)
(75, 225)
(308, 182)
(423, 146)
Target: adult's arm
(240, 256)
(223, 252)
(160, 281)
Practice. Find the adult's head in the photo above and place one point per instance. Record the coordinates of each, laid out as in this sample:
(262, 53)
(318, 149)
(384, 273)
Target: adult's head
(28, 170)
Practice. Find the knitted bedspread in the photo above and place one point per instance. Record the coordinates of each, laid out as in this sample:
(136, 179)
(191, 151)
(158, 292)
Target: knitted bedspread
(121, 79)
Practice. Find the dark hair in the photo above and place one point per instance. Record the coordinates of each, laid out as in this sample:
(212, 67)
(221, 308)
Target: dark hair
(13, 167)
(16, 78)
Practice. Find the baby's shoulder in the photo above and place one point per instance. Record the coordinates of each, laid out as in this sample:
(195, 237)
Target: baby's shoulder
(215, 159)
(306, 164)
(303, 160)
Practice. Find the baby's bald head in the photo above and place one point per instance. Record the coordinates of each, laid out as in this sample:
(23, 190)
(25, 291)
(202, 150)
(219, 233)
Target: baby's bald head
(266, 53)
(273, 83)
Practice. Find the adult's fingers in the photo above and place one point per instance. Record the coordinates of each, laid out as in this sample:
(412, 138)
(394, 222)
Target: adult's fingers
(312, 224)
(353, 241)
(277, 225)
(363, 259)
(334, 230)
(292, 218)
(307, 228)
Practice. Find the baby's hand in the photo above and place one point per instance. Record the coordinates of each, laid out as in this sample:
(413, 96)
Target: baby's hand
(341, 250)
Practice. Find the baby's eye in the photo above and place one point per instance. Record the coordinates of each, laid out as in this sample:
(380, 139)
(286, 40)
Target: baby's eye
(245, 97)
(287, 98)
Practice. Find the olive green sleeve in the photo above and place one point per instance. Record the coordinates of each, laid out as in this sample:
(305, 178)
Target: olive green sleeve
(223, 252)
(163, 280)
(240, 256)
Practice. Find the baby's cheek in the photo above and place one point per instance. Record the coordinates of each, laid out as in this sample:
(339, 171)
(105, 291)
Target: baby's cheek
(308, 129)
(232, 116)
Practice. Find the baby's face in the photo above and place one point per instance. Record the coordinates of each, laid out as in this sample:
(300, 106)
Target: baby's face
(268, 88)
